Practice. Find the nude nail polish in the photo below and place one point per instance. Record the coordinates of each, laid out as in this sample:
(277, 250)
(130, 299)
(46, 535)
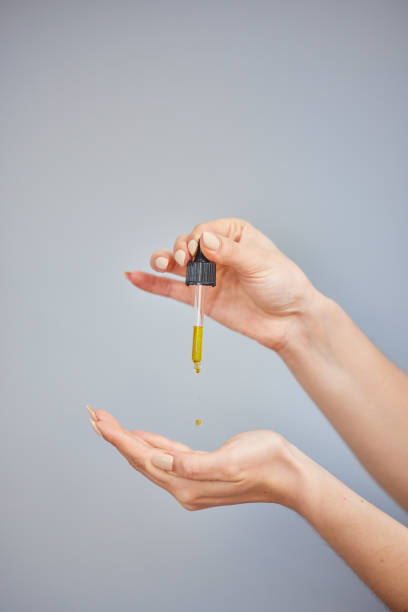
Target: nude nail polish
(95, 427)
(164, 462)
(91, 413)
(162, 263)
(180, 257)
(211, 241)
(192, 246)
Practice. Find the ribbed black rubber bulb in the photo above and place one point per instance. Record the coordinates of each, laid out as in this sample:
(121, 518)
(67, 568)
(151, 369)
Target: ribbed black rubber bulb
(201, 271)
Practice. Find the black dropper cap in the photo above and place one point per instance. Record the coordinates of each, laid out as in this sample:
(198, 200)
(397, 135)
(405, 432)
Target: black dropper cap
(200, 271)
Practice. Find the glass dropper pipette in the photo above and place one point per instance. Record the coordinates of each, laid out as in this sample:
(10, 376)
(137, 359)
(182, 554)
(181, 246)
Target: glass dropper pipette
(202, 273)
(198, 327)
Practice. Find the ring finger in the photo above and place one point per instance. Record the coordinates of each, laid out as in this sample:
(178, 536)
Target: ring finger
(163, 261)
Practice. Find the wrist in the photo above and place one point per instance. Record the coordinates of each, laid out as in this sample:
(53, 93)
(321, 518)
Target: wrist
(317, 492)
(309, 485)
(310, 327)
(296, 486)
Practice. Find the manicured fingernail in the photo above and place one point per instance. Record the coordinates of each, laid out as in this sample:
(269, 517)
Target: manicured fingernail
(211, 241)
(91, 413)
(127, 275)
(180, 257)
(164, 462)
(95, 427)
(162, 263)
(192, 246)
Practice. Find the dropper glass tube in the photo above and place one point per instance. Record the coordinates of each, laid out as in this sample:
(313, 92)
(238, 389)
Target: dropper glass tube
(201, 273)
(198, 327)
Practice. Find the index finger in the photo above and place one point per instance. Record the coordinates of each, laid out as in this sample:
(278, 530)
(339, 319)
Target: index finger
(137, 451)
(229, 227)
(132, 447)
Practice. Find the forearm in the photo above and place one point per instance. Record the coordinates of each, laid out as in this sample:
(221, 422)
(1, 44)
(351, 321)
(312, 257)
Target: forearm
(361, 392)
(372, 543)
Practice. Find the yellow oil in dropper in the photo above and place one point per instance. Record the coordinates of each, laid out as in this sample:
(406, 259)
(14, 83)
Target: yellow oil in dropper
(197, 347)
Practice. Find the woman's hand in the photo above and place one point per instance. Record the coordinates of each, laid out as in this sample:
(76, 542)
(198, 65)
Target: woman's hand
(257, 466)
(261, 466)
(259, 290)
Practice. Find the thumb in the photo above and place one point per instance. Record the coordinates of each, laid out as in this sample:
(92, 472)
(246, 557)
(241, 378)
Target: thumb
(244, 257)
(193, 465)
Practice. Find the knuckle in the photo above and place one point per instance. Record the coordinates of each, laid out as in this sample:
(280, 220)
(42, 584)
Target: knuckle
(133, 463)
(164, 284)
(113, 436)
(184, 497)
(192, 507)
(199, 229)
(281, 444)
(227, 247)
(189, 468)
(240, 224)
(278, 440)
(188, 507)
(139, 463)
(180, 239)
(142, 462)
(171, 289)
(278, 446)
(190, 504)
(230, 471)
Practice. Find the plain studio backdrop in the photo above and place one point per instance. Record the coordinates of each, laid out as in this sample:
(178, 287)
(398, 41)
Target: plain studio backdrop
(123, 124)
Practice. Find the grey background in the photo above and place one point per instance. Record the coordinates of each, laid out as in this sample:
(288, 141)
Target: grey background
(123, 124)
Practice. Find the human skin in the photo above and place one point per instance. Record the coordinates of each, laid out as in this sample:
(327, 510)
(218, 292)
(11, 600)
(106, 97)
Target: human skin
(263, 294)
(261, 466)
